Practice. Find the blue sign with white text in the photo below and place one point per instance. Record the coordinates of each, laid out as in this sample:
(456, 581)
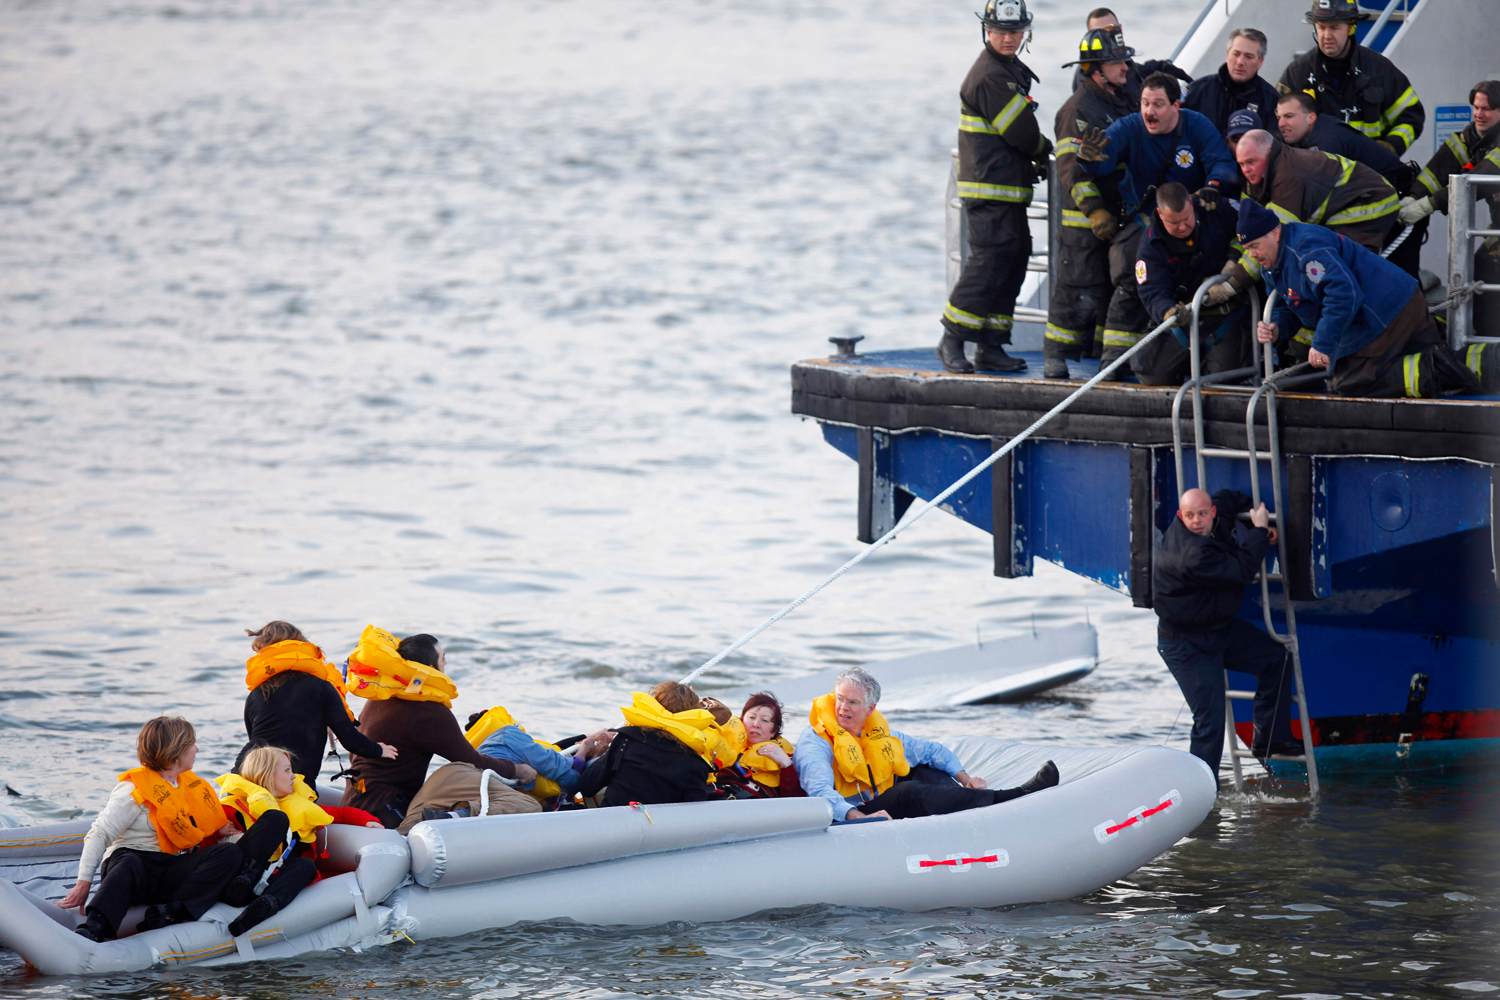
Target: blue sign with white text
(1448, 119)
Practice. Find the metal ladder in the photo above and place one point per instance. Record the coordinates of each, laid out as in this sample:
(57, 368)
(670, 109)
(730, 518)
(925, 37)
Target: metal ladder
(1270, 380)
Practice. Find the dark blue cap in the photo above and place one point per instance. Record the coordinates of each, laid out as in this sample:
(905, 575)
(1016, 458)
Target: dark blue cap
(1254, 221)
(1240, 122)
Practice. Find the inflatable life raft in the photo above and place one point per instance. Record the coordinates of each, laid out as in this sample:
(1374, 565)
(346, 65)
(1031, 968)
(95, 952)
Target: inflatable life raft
(1115, 810)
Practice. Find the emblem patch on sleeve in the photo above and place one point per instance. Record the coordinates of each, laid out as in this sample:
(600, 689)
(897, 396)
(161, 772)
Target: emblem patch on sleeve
(1184, 157)
(1315, 271)
(1140, 272)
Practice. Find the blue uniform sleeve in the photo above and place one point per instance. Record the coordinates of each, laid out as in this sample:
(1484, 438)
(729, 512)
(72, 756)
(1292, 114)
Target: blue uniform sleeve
(1156, 291)
(923, 751)
(1218, 167)
(1118, 149)
(511, 743)
(1340, 297)
(813, 758)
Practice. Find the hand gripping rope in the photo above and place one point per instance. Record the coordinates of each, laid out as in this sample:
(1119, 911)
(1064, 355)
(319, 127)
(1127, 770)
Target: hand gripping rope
(917, 512)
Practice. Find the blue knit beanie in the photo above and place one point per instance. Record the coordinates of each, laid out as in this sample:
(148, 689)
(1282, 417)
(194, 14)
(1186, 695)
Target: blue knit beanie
(1254, 221)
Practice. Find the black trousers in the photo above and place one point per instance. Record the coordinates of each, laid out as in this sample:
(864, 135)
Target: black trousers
(1198, 661)
(926, 791)
(1224, 342)
(982, 305)
(1079, 299)
(261, 842)
(133, 878)
(1127, 318)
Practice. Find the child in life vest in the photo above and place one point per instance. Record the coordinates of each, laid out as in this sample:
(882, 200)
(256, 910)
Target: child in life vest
(281, 820)
(148, 843)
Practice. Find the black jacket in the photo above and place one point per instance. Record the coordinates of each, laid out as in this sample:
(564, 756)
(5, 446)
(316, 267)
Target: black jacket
(1169, 270)
(296, 716)
(1216, 97)
(1364, 90)
(1331, 136)
(1199, 581)
(647, 766)
(1082, 192)
(998, 135)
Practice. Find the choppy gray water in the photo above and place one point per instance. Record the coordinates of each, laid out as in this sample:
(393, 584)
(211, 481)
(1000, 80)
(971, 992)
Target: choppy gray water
(474, 318)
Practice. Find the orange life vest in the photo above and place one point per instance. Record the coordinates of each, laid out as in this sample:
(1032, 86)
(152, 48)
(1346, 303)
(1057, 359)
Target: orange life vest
(183, 816)
(293, 655)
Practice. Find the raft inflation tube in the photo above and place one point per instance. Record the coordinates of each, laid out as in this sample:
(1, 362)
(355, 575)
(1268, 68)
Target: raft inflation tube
(1115, 810)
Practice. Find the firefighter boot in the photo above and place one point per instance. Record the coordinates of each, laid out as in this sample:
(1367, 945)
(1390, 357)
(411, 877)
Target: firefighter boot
(1484, 361)
(990, 356)
(1055, 368)
(1453, 379)
(950, 351)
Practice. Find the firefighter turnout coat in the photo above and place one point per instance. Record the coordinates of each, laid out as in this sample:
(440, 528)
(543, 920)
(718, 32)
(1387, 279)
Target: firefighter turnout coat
(1364, 90)
(1082, 192)
(1307, 185)
(998, 135)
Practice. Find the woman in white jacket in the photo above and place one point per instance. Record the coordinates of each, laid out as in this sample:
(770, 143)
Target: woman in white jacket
(149, 839)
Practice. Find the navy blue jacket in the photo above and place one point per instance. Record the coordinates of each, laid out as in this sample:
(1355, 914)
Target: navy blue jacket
(1332, 136)
(1170, 269)
(1217, 96)
(1193, 155)
(1344, 293)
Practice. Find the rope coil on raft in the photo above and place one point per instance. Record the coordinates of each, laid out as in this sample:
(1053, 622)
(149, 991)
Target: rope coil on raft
(917, 512)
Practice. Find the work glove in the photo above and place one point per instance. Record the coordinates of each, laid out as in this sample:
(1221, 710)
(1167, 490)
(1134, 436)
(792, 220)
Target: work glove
(1181, 314)
(1389, 145)
(1103, 224)
(1208, 197)
(1091, 144)
(1414, 210)
(1220, 294)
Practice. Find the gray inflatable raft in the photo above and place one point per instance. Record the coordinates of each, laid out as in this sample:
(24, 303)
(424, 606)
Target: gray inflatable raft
(1115, 810)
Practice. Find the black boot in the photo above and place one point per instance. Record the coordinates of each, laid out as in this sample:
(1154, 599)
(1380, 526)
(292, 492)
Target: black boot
(95, 928)
(1452, 377)
(241, 889)
(163, 915)
(1484, 361)
(950, 351)
(1044, 778)
(992, 358)
(264, 908)
(1055, 368)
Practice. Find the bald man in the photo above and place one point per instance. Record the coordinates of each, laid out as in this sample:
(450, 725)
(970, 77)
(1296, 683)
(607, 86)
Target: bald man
(1199, 576)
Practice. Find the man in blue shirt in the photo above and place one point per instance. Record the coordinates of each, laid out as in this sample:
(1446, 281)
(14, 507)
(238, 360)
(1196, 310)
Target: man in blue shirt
(1369, 318)
(863, 769)
(1162, 143)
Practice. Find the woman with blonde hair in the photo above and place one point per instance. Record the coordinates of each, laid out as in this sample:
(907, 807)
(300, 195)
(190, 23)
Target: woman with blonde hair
(148, 842)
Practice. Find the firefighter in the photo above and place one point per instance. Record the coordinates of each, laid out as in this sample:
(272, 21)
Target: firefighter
(1160, 143)
(1185, 244)
(1307, 185)
(1000, 150)
(1103, 18)
(1302, 127)
(1474, 150)
(1091, 208)
(1369, 318)
(1238, 85)
(1353, 84)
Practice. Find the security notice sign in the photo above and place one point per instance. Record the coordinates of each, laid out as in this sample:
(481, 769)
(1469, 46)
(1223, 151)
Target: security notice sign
(1448, 120)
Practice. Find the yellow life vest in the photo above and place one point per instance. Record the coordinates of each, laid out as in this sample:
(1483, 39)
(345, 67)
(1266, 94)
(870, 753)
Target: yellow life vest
(498, 718)
(764, 770)
(695, 727)
(734, 734)
(183, 816)
(875, 756)
(252, 801)
(377, 672)
(293, 655)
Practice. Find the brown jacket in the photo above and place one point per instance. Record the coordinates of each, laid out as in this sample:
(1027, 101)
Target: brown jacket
(1306, 185)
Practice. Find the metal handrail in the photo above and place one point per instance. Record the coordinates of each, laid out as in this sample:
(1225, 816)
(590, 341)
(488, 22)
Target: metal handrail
(1461, 284)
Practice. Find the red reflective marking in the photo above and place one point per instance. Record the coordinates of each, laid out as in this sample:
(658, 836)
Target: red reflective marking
(1117, 829)
(1153, 811)
(986, 859)
(934, 864)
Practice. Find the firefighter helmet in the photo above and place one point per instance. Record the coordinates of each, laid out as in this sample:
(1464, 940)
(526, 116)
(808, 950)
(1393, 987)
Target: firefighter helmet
(1103, 45)
(1333, 10)
(1006, 15)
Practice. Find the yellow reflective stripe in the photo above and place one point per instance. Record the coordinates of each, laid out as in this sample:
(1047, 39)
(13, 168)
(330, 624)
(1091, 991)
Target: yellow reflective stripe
(994, 192)
(1075, 219)
(1282, 213)
(1008, 114)
(1371, 129)
(1084, 189)
(998, 322)
(1456, 146)
(1068, 145)
(1405, 133)
(1347, 172)
(1473, 358)
(1361, 213)
(1063, 335)
(1493, 157)
(1411, 373)
(952, 312)
(1429, 181)
(1120, 338)
(1251, 266)
(1401, 103)
(1304, 336)
(973, 123)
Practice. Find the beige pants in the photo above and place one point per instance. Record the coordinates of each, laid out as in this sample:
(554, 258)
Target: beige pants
(454, 785)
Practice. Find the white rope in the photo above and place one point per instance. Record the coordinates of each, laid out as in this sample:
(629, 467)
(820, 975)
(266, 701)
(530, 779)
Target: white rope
(916, 513)
(1398, 240)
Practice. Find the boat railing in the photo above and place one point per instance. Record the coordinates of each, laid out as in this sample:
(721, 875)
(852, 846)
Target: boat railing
(1270, 380)
(1462, 287)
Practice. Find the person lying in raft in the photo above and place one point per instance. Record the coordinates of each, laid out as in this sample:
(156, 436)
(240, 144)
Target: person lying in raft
(150, 839)
(849, 756)
(409, 701)
(276, 810)
(764, 764)
(496, 734)
(668, 751)
(295, 698)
